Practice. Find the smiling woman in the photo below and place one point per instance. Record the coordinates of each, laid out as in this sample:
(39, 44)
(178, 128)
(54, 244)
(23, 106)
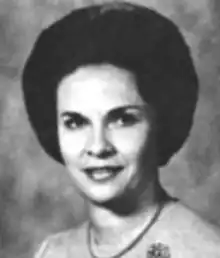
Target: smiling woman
(110, 91)
(100, 116)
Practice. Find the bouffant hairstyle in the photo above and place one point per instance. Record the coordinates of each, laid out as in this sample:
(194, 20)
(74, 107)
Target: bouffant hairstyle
(127, 36)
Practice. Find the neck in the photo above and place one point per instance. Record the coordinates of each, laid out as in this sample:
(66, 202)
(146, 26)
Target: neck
(121, 218)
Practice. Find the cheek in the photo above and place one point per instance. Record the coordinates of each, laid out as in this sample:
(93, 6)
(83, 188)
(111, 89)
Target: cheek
(71, 145)
(132, 143)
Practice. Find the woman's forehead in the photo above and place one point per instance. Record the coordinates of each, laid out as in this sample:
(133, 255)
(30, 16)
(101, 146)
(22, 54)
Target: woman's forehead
(100, 88)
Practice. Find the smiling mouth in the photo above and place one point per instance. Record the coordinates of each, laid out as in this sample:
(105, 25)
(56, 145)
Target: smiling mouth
(103, 174)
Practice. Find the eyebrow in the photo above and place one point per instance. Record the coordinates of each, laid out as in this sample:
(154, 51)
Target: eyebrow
(116, 110)
(122, 109)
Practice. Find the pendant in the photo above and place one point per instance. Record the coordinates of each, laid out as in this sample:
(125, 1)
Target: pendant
(158, 250)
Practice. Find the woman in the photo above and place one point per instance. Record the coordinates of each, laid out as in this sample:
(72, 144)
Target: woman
(110, 91)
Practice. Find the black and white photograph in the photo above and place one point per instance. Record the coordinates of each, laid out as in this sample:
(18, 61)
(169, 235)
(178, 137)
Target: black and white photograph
(109, 129)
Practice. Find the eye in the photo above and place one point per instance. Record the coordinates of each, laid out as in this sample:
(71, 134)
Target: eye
(74, 121)
(126, 119)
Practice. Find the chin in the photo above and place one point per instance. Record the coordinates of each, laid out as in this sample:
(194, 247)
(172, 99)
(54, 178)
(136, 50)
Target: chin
(103, 191)
(103, 194)
(104, 197)
(120, 202)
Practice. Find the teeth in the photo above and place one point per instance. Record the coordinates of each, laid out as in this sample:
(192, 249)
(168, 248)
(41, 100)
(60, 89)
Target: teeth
(100, 175)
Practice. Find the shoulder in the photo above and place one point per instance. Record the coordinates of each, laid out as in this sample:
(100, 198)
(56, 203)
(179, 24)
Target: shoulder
(192, 234)
(62, 245)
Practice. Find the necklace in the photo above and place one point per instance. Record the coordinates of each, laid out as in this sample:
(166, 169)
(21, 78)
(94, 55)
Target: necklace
(133, 242)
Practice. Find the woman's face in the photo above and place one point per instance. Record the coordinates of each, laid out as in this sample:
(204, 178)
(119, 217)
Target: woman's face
(104, 130)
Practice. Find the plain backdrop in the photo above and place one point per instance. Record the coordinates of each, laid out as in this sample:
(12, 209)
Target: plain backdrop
(36, 194)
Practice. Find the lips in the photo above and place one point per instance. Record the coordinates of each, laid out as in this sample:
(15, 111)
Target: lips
(104, 168)
(103, 173)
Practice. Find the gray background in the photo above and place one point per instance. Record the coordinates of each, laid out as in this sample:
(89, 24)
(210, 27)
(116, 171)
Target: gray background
(36, 195)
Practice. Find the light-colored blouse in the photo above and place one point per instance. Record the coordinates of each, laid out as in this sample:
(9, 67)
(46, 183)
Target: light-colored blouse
(179, 230)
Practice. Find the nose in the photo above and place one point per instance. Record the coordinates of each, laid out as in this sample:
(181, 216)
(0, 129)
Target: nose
(99, 144)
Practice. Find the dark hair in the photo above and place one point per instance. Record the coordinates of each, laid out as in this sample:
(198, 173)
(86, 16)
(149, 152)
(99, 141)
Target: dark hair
(128, 36)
